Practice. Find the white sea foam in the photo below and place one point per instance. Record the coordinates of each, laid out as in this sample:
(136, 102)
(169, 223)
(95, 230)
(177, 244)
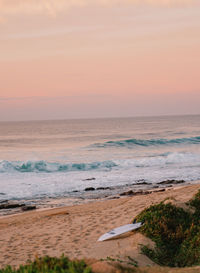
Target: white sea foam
(38, 183)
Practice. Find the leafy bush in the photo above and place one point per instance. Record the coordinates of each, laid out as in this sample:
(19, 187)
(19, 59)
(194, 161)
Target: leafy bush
(50, 265)
(195, 203)
(189, 253)
(176, 233)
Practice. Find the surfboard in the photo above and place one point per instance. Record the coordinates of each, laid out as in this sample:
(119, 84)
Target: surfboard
(118, 231)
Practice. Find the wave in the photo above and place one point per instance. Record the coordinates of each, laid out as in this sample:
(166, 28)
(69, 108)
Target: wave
(147, 142)
(159, 160)
(49, 167)
(162, 160)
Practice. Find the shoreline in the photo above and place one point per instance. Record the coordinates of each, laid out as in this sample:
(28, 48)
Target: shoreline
(91, 195)
(74, 230)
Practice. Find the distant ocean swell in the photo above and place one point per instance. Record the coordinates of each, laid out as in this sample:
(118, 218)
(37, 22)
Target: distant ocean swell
(48, 167)
(147, 142)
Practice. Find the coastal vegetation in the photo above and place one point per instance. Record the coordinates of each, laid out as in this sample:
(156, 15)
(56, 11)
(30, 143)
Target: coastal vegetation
(51, 265)
(175, 231)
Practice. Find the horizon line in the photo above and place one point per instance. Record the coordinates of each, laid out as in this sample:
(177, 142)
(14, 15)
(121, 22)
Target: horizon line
(93, 118)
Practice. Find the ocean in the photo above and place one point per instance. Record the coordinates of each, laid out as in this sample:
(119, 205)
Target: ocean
(56, 159)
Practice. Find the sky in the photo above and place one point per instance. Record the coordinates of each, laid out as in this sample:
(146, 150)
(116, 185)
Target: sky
(64, 59)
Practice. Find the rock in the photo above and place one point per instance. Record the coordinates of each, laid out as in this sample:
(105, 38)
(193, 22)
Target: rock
(90, 189)
(165, 182)
(1, 193)
(103, 188)
(131, 193)
(159, 190)
(75, 191)
(127, 193)
(89, 179)
(142, 182)
(26, 208)
(11, 206)
(4, 201)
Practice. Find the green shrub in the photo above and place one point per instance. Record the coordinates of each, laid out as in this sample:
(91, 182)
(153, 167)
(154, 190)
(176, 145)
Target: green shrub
(50, 265)
(195, 203)
(189, 253)
(176, 233)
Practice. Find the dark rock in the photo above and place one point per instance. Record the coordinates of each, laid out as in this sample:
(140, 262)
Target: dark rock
(171, 182)
(75, 191)
(160, 190)
(26, 208)
(131, 193)
(90, 189)
(127, 193)
(11, 206)
(142, 182)
(4, 201)
(1, 193)
(103, 188)
(89, 179)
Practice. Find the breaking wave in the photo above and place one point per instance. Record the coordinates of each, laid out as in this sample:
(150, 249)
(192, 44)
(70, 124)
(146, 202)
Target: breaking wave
(48, 167)
(147, 142)
(160, 160)
(163, 160)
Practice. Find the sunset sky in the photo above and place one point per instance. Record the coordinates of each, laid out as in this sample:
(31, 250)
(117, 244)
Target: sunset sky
(98, 58)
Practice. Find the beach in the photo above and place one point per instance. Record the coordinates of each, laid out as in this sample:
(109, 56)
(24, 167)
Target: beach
(74, 230)
(99, 133)
(86, 177)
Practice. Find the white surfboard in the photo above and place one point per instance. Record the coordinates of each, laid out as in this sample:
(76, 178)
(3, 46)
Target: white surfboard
(118, 231)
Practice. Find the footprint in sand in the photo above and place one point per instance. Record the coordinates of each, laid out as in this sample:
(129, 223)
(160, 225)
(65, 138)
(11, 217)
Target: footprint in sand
(75, 241)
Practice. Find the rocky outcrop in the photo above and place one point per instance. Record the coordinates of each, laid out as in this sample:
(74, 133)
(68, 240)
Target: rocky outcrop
(26, 208)
(103, 188)
(130, 193)
(8, 205)
(90, 189)
(166, 182)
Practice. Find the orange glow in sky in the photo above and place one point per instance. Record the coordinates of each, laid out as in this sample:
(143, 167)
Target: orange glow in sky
(97, 58)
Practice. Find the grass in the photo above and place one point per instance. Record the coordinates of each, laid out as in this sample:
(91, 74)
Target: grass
(176, 233)
(129, 261)
(50, 265)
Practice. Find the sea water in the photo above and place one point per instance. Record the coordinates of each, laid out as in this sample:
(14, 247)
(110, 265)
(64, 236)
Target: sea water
(40, 159)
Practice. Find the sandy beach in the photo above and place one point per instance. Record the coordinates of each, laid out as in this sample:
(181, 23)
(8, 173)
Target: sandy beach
(74, 230)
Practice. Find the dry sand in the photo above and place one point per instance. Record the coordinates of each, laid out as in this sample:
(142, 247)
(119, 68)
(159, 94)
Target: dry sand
(74, 230)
